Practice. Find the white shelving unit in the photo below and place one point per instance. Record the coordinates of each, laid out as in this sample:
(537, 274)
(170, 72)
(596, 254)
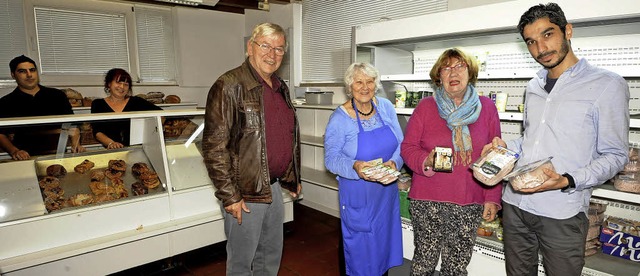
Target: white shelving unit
(607, 35)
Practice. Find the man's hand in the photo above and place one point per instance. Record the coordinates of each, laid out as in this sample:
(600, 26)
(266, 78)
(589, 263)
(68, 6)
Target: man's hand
(20, 155)
(297, 193)
(555, 181)
(494, 143)
(236, 210)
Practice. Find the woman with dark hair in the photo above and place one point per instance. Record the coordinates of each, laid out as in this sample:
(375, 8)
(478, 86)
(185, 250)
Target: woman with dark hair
(117, 85)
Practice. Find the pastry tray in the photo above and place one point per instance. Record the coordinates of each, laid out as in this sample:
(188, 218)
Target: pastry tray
(75, 183)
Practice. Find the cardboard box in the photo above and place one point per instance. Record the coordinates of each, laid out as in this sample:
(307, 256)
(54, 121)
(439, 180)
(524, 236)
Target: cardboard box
(621, 251)
(619, 238)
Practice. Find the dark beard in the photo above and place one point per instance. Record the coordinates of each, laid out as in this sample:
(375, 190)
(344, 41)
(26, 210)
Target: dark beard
(564, 50)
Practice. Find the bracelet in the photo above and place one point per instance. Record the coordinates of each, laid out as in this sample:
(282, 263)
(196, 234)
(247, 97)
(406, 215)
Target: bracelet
(110, 144)
(429, 172)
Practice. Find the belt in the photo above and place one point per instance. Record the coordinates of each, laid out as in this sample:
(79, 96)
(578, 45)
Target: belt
(274, 180)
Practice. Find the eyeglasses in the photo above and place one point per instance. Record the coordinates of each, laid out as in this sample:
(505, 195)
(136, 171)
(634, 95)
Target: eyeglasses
(266, 48)
(456, 68)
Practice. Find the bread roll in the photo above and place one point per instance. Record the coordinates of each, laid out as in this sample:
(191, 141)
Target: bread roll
(172, 99)
(152, 95)
(56, 170)
(74, 97)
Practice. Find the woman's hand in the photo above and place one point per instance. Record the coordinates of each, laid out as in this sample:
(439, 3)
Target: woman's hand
(428, 162)
(490, 211)
(115, 145)
(389, 178)
(360, 166)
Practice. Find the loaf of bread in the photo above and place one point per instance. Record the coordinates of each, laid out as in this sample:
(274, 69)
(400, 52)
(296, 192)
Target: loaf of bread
(74, 97)
(172, 99)
(629, 182)
(494, 165)
(530, 175)
(152, 95)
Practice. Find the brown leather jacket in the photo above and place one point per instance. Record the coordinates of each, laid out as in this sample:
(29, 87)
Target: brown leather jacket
(234, 146)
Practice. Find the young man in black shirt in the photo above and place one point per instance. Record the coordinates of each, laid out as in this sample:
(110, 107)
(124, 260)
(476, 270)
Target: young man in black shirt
(32, 99)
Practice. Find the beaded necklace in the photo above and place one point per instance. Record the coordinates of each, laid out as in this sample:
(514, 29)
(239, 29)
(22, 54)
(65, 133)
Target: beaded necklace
(361, 113)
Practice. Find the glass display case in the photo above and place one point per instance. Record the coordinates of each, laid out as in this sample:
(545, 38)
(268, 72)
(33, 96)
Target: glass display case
(104, 210)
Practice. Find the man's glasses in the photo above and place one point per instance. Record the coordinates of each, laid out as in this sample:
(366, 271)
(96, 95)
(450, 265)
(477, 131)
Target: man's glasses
(266, 48)
(456, 68)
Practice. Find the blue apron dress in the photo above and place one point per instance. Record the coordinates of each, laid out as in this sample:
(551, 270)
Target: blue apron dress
(370, 211)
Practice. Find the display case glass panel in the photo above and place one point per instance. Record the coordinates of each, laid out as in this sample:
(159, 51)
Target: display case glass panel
(54, 179)
(183, 141)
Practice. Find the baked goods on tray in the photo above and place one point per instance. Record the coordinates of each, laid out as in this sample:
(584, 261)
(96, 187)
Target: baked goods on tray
(56, 170)
(83, 167)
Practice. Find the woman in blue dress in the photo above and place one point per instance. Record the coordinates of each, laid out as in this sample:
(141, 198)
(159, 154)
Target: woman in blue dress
(362, 129)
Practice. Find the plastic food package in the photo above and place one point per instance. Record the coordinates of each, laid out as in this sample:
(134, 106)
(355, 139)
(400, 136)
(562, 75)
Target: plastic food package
(491, 167)
(627, 183)
(404, 182)
(634, 161)
(530, 175)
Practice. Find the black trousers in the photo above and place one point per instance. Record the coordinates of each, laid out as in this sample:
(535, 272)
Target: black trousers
(561, 242)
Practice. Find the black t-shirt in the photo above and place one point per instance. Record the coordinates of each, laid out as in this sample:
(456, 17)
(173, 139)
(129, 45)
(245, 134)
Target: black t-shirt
(119, 130)
(35, 139)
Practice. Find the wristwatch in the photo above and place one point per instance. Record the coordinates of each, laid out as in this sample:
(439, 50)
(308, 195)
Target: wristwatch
(571, 185)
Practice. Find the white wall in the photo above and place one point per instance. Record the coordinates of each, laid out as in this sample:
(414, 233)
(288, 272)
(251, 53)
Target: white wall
(461, 4)
(208, 43)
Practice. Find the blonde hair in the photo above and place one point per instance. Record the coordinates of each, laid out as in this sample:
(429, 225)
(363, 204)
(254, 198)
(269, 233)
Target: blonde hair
(268, 29)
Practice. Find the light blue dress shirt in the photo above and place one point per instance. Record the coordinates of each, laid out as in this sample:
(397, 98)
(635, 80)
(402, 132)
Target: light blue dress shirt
(584, 124)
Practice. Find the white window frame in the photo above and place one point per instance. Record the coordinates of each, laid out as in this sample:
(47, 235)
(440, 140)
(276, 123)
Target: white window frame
(127, 9)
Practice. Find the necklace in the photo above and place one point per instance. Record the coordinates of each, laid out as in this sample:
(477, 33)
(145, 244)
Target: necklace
(361, 113)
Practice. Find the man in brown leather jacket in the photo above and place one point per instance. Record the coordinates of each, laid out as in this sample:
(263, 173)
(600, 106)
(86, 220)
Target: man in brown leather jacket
(251, 147)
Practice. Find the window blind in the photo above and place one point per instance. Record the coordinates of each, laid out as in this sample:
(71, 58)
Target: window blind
(73, 42)
(326, 33)
(13, 40)
(155, 45)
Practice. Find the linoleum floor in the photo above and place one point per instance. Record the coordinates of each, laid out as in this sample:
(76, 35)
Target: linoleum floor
(310, 248)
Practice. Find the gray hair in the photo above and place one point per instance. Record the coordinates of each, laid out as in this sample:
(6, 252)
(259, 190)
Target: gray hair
(268, 29)
(364, 68)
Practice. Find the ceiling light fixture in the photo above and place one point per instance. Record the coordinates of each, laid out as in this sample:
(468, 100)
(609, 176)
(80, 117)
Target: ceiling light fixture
(184, 2)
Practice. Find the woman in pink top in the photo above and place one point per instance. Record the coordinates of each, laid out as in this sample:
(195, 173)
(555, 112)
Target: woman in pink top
(447, 207)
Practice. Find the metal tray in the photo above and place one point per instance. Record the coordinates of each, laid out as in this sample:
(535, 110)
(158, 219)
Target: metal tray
(75, 183)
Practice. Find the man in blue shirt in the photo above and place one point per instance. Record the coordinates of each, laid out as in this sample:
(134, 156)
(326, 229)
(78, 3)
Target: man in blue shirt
(579, 114)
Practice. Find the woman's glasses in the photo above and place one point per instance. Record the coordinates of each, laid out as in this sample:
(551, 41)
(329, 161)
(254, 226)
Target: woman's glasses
(456, 68)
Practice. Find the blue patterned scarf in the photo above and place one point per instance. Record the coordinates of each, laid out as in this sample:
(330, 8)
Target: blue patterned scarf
(458, 117)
